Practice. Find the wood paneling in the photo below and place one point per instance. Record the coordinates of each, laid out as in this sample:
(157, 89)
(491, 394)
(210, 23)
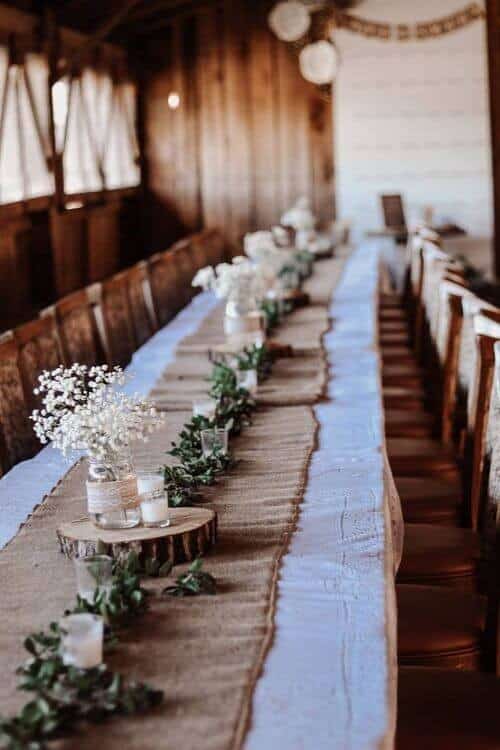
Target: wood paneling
(250, 135)
(69, 248)
(493, 10)
(15, 271)
(103, 239)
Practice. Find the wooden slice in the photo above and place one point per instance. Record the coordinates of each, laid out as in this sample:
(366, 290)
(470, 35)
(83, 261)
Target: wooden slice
(191, 533)
(297, 298)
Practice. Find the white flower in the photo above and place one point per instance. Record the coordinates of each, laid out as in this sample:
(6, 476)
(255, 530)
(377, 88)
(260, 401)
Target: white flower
(300, 216)
(82, 410)
(204, 278)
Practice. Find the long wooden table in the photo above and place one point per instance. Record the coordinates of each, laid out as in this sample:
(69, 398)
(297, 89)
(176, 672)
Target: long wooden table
(328, 679)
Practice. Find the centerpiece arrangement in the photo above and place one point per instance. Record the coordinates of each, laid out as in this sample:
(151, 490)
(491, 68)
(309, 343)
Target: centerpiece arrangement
(84, 410)
(243, 285)
(301, 219)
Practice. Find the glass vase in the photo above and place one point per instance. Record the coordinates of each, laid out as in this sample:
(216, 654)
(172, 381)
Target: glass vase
(112, 496)
(243, 320)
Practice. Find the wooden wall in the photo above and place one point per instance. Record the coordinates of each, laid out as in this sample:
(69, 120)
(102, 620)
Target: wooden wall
(250, 136)
(46, 253)
(493, 10)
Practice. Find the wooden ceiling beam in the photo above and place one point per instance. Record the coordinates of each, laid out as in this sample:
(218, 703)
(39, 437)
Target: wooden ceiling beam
(100, 33)
(152, 8)
(180, 10)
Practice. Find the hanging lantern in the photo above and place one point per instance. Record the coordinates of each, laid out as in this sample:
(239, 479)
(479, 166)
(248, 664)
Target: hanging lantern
(318, 62)
(289, 20)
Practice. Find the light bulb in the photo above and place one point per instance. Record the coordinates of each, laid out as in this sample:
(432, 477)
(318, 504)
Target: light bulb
(173, 100)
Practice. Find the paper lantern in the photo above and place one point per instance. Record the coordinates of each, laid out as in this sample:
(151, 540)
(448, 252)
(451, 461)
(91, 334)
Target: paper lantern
(318, 62)
(289, 20)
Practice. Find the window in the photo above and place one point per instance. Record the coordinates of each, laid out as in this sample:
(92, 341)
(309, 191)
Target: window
(24, 129)
(94, 119)
(94, 112)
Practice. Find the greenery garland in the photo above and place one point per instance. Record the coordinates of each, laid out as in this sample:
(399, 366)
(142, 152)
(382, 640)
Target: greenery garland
(233, 412)
(65, 696)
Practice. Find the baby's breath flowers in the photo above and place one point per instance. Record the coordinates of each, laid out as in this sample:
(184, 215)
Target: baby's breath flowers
(82, 409)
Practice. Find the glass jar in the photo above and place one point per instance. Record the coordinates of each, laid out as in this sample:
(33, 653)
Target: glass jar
(243, 319)
(112, 496)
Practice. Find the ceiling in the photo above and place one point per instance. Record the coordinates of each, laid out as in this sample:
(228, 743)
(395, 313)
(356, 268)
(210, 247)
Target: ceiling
(123, 20)
(118, 19)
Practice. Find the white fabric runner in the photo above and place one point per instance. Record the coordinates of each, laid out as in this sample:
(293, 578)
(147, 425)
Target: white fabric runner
(25, 485)
(328, 679)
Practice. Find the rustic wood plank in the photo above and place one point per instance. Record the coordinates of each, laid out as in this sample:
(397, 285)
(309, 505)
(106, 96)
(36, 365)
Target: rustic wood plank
(238, 122)
(264, 116)
(212, 117)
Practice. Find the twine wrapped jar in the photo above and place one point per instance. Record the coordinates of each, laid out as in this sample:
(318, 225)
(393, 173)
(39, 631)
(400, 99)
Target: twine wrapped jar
(112, 496)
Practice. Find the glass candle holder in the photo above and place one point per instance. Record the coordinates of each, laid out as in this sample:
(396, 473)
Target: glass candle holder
(150, 482)
(214, 440)
(205, 408)
(81, 643)
(93, 573)
(249, 380)
(154, 509)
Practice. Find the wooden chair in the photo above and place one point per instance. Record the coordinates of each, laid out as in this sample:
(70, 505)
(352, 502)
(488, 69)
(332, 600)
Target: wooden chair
(442, 708)
(38, 347)
(215, 247)
(76, 328)
(17, 439)
(141, 303)
(110, 303)
(210, 248)
(199, 245)
(163, 275)
(184, 258)
(446, 555)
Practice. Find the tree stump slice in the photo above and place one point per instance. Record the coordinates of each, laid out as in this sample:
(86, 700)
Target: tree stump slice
(297, 298)
(192, 532)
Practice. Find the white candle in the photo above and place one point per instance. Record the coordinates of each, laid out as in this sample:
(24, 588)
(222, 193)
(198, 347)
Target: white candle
(82, 640)
(154, 509)
(205, 408)
(150, 483)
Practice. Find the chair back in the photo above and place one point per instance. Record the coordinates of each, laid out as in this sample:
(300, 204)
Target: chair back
(471, 306)
(183, 253)
(141, 303)
(17, 438)
(490, 478)
(436, 265)
(76, 328)
(200, 250)
(38, 350)
(164, 285)
(215, 246)
(487, 334)
(111, 308)
(449, 326)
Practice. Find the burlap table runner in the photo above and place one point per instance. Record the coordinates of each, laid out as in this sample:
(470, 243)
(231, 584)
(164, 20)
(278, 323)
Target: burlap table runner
(302, 329)
(297, 380)
(206, 653)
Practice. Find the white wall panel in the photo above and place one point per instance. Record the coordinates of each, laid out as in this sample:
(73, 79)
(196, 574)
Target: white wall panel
(412, 118)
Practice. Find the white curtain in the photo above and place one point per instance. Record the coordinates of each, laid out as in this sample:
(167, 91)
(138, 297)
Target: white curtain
(122, 151)
(24, 129)
(94, 120)
(101, 150)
